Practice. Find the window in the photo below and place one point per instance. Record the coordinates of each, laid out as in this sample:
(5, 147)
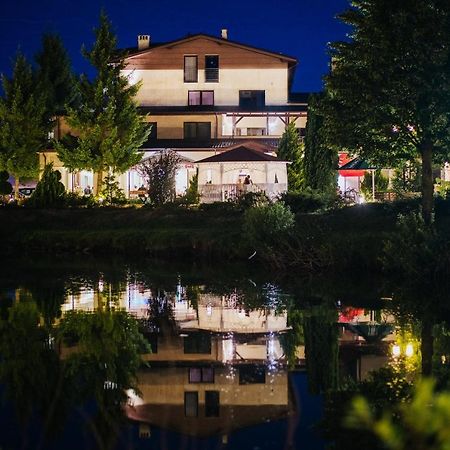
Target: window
(211, 68)
(196, 98)
(201, 375)
(252, 375)
(252, 99)
(197, 130)
(198, 343)
(212, 403)
(190, 69)
(191, 404)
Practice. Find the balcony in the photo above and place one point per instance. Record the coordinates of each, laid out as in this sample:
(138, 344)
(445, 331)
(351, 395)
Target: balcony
(211, 75)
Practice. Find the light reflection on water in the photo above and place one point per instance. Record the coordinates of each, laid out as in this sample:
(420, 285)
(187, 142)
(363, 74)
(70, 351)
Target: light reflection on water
(226, 359)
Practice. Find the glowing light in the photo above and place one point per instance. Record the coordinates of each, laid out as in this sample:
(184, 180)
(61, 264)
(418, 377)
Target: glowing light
(209, 310)
(409, 350)
(396, 351)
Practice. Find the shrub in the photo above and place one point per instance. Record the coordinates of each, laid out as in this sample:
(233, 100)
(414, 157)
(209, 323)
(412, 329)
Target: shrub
(50, 192)
(381, 184)
(111, 192)
(309, 201)
(192, 197)
(219, 208)
(251, 200)
(264, 224)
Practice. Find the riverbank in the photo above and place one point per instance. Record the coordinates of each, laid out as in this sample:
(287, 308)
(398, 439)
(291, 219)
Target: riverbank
(348, 238)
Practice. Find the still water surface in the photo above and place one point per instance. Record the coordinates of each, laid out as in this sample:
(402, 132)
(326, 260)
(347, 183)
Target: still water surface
(230, 357)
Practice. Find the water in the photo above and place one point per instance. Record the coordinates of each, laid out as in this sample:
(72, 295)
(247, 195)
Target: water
(232, 357)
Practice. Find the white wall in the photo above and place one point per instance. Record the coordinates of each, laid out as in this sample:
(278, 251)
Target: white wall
(167, 87)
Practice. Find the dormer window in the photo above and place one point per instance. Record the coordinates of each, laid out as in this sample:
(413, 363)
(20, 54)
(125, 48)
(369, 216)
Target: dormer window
(190, 69)
(211, 68)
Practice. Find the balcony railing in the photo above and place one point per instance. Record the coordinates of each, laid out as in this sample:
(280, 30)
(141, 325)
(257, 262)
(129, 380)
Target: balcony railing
(211, 75)
(210, 193)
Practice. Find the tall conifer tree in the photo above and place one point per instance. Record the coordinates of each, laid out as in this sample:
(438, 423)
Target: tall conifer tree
(24, 124)
(320, 161)
(290, 149)
(108, 127)
(55, 76)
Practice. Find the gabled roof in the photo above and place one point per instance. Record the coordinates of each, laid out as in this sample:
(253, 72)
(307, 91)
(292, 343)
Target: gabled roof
(240, 153)
(136, 52)
(356, 164)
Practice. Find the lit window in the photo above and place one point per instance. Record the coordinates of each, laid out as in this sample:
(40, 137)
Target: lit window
(190, 69)
(201, 375)
(196, 98)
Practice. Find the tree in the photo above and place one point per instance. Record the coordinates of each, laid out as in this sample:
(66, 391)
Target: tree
(49, 191)
(54, 74)
(419, 424)
(23, 123)
(320, 161)
(5, 186)
(389, 90)
(291, 149)
(108, 126)
(159, 174)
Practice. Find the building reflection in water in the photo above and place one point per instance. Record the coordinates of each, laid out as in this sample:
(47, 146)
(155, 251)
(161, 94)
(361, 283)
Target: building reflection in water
(216, 364)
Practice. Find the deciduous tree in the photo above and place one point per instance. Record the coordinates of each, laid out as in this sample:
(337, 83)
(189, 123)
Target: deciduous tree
(388, 94)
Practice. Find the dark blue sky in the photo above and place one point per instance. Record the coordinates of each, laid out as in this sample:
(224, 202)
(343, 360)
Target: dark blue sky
(299, 28)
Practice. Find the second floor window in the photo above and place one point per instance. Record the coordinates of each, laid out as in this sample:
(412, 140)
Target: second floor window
(190, 69)
(212, 68)
(196, 98)
(252, 99)
(201, 131)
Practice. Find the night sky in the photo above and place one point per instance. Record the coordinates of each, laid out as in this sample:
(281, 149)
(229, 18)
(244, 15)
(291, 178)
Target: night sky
(299, 28)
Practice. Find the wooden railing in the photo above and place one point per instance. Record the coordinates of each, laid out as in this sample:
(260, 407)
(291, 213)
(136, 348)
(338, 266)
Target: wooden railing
(210, 193)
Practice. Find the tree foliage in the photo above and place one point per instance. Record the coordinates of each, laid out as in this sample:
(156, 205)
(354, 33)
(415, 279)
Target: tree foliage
(54, 75)
(108, 126)
(159, 174)
(419, 424)
(5, 186)
(49, 191)
(321, 349)
(24, 124)
(320, 160)
(389, 90)
(290, 149)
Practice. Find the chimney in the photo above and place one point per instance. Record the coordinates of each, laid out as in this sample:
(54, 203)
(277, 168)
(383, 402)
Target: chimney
(143, 41)
(224, 33)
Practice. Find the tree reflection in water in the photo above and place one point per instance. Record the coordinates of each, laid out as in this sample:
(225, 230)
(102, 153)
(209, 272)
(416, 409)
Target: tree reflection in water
(50, 370)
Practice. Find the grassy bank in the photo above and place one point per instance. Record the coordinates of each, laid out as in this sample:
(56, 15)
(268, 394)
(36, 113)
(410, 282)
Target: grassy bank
(346, 239)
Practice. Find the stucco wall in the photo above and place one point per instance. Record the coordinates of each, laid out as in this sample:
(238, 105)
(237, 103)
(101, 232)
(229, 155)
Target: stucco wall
(167, 87)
